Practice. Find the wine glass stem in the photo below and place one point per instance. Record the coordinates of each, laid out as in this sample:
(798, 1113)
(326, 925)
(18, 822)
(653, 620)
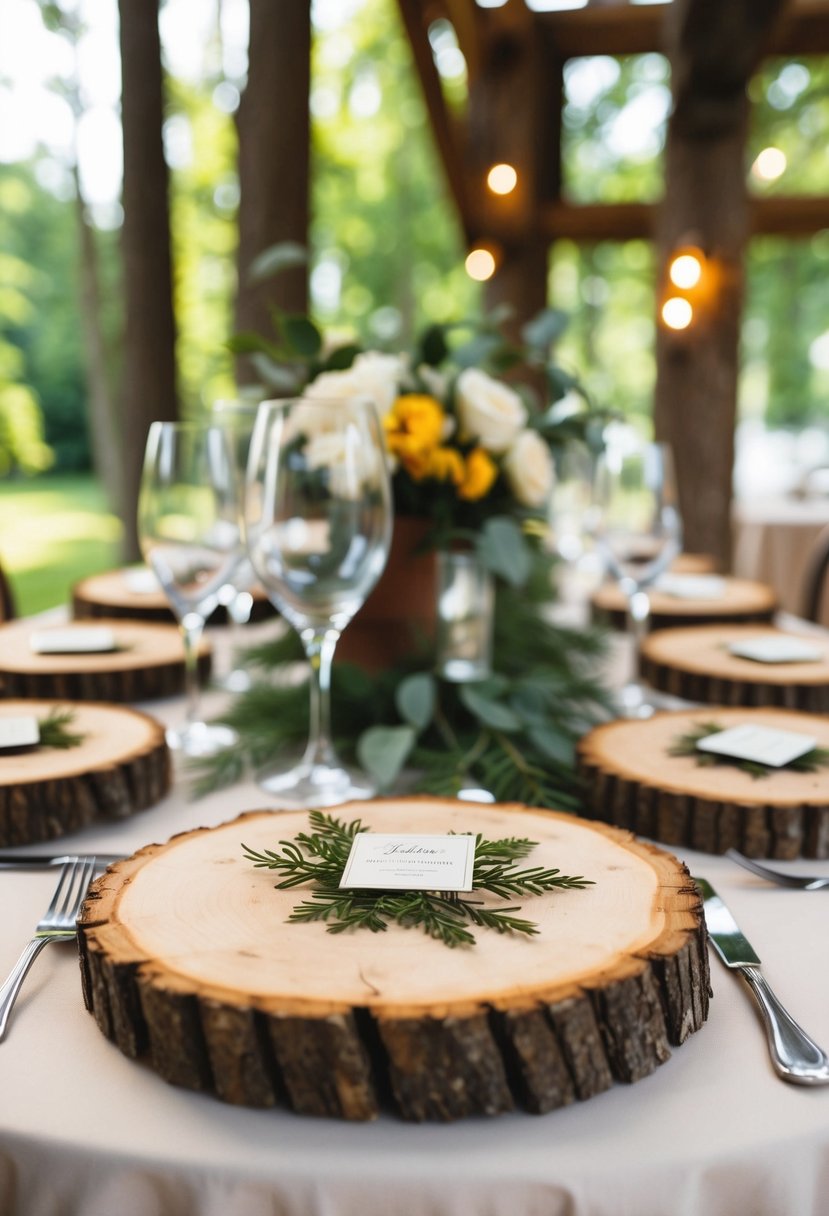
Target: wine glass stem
(191, 627)
(639, 611)
(320, 645)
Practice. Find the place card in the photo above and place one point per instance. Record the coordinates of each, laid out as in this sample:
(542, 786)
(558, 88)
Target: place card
(94, 640)
(141, 581)
(760, 744)
(22, 731)
(410, 862)
(691, 586)
(764, 649)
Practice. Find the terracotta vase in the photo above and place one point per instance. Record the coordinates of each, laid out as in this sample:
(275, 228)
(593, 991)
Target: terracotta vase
(398, 618)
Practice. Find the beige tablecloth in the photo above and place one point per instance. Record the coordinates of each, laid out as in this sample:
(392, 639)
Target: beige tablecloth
(773, 541)
(84, 1130)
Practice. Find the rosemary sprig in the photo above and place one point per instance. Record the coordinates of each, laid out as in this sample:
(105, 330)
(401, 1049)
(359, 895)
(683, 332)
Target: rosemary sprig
(686, 745)
(319, 857)
(54, 730)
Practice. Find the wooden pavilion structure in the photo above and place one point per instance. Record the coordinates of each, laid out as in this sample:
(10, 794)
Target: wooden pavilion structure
(515, 61)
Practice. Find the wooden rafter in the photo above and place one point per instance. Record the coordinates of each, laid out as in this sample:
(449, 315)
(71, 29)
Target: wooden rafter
(793, 216)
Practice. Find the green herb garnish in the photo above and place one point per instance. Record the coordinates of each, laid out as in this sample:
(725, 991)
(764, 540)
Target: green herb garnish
(319, 858)
(686, 745)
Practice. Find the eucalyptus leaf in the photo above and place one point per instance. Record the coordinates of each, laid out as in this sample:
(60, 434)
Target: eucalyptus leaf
(544, 328)
(415, 699)
(383, 750)
(503, 549)
(245, 343)
(341, 357)
(560, 382)
(490, 713)
(300, 335)
(433, 347)
(286, 255)
(554, 744)
(275, 375)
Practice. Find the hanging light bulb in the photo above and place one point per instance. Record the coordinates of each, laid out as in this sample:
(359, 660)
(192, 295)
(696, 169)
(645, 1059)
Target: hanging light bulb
(685, 270)
(502, 179)
(677, 312)
(480, 263)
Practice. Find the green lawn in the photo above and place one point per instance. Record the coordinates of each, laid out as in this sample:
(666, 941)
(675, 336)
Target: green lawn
(53, 531)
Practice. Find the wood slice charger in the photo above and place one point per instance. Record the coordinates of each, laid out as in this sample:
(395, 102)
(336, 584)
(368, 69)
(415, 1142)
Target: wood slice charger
(147, 665)
(122, 766)
(188, 958)
(696, 664)
(742, 602)
(633, 782)
(111, 595)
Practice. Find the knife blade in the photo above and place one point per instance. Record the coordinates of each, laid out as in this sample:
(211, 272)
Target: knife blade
(11, 860)
(795, 1056)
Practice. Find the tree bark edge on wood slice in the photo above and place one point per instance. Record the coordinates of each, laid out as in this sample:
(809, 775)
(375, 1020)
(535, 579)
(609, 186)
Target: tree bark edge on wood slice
(122, 766)
(148, 666)
(352, 1048)
(782, 816)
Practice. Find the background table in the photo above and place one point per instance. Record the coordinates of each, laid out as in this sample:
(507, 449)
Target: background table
(773, 539)
(711, 1133)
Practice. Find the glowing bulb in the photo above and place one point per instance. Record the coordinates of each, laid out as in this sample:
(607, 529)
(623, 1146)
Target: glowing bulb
(677, 313)
(480, 264)
(502, 179)
(685, 271)
(770, 164)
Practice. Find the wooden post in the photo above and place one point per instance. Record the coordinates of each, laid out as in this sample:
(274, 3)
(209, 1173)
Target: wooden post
(149, 368)
(273, 124)
(713, 50)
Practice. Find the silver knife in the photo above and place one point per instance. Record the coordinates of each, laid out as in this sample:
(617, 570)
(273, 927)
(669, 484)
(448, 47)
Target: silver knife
(11, 860)
(795, 1056)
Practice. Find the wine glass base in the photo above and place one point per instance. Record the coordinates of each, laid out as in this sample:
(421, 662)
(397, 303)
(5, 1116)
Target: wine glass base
(316, 785)
(632, 702)
(235, 681)
(200, 739)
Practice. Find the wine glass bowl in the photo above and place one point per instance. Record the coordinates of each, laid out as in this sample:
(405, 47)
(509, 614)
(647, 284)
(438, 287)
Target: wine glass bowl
(318, 526)
(639, 533)
(188, 531)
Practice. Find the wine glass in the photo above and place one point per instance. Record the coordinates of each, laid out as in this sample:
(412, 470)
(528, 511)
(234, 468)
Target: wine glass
(188, 530)
(236, 418)
(318, 521)
(639, 533)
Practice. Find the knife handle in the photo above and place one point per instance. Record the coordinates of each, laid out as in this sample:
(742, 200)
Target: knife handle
(796, 1057)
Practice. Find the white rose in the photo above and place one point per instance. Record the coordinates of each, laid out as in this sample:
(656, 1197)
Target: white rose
(488, 410)
(529, 469)
(372, 375)
(351, 460)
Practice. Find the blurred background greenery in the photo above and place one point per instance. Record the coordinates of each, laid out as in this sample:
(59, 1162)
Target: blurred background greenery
(386, 256)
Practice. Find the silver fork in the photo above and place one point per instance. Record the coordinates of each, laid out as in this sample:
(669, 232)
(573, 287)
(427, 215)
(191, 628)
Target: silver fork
(799, 882)
(58, 924)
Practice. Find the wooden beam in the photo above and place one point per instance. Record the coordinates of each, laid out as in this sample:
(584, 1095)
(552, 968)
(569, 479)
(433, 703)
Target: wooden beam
(792, 215)
(449, 139)
(638, 29)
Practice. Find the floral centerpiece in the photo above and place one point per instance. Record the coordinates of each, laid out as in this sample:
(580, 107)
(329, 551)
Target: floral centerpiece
(472, 422)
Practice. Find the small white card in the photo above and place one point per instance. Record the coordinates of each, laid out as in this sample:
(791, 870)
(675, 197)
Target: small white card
(410, 862)
(691, 586)
(141, 581)
(761, 744)
(19, 732)
(776, 650)
(94, 640)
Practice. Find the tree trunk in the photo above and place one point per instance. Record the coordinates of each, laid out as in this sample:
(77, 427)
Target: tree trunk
(149, 371)
(713, 50)
(273, 125)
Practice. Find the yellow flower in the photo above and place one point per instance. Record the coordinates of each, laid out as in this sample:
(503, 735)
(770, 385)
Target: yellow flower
(413, 426)
(479, 474)
(446, 464)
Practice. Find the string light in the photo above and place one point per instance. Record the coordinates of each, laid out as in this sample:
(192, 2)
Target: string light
(480, 264)
(685, 270)
(769, 164)
(502, 179)
(677, 313)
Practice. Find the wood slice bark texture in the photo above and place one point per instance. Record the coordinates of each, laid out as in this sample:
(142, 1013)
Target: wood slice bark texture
(696, 664)
(633, 782)
(110, 595)
(147, 665)
(122, 766)
(742, 602)
(188, 959)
